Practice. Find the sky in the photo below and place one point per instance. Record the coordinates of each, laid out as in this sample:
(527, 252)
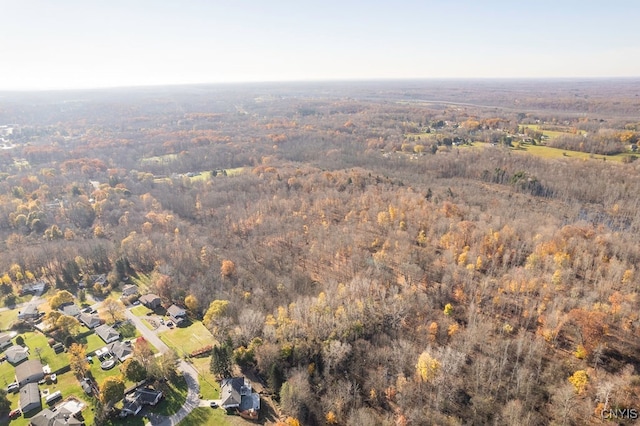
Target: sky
(77, 44)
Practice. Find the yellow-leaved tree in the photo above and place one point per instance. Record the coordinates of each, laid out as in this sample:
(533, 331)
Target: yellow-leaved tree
(427, 367)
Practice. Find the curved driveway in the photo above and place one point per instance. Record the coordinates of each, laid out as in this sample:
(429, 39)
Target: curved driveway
(189, 373)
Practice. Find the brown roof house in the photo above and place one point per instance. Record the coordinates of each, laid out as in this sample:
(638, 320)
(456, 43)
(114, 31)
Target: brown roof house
(29, 372)
(150, 300)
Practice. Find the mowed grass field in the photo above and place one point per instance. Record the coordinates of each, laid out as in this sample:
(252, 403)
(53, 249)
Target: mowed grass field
(549, 152)
(187, 339)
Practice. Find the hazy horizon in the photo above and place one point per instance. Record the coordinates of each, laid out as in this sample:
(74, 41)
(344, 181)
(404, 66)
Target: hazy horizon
(71, 44)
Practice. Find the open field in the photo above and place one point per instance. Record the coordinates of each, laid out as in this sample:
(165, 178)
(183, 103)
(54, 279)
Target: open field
(187, 339)
(159, 159)
(549, 152)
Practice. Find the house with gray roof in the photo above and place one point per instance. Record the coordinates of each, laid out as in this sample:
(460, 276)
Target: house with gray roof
(71, 310)
(89, 320)
(16, 354)
(121, 350)
(29, 372)
(107, 333)
(30, 398)
(29, 312)
(5, 340)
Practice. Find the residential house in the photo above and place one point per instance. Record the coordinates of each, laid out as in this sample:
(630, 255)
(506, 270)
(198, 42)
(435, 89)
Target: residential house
(36, 287)
(16, 354)
(70, 309)
(129, 290)
(133, 403)
(29, 312)
(101, 279)
(5, 340)
(150, 300)
(29, 372)
(107, 333)
(121, 350)
(63, 414)
(236, 393)
(177, 314)
(30, 398)
(89, 320)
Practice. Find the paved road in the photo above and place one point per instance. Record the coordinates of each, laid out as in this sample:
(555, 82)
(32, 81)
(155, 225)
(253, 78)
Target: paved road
(189, 373)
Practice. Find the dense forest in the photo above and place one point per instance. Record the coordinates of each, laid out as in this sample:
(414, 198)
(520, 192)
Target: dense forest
(379, 253)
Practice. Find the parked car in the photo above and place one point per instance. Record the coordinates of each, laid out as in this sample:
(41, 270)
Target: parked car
(14, 414)
(13, 387)
(213, 404)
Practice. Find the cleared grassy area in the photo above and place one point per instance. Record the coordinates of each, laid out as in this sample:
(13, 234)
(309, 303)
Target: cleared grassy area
(159, 159)
(7, 317)
(140, 311)
(202, 416)
(187, 339)
(209, 387)
(549, 152)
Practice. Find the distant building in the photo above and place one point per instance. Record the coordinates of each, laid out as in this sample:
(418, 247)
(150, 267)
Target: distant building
(30, 398)
(129, 290)
(29, 372)
(107, 333)
(36, 287)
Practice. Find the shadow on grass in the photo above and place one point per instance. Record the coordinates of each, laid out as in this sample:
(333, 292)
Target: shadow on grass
(175, 395)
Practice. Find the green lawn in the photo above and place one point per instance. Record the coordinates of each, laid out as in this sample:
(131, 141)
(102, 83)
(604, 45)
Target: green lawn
(92, 342)
(188, 339)
(99, 374)
(47, 354)
(174, 398)
(209, 387)
(203, 416)
(140, 311)
(549, 152)
(7, 317)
